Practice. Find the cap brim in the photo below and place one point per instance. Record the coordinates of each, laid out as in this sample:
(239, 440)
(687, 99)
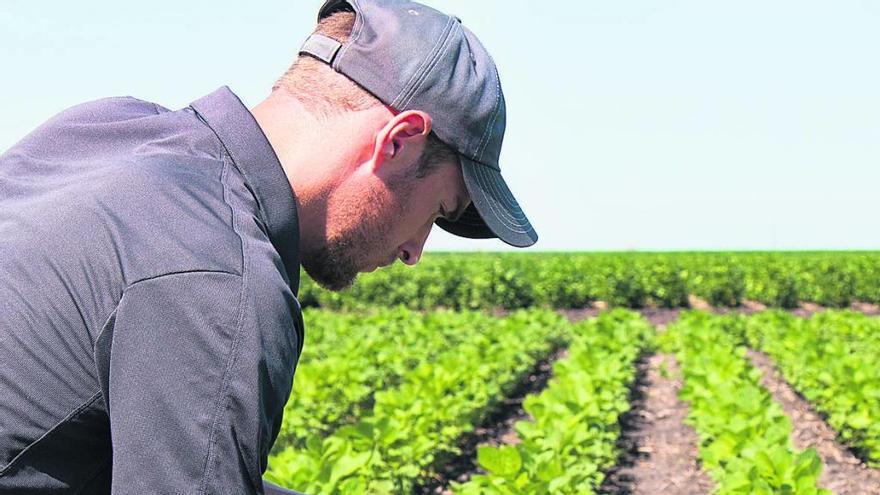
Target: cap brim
(493, 212)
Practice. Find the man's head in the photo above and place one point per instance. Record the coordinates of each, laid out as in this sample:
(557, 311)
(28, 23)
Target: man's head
(383, 205)
(371, 175)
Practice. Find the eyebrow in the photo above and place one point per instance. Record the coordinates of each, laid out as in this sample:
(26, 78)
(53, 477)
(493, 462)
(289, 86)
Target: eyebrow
(459, 209)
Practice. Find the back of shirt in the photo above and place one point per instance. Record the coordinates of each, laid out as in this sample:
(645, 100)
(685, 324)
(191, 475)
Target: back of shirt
(141, 298)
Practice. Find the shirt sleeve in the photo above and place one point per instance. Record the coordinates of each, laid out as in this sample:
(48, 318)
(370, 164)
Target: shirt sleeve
(196, 389)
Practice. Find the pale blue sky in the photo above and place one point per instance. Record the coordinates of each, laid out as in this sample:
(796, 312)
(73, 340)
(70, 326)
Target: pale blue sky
(652, 125)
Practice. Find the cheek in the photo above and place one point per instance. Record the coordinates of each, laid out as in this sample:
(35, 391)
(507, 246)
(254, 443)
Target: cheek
(416, 210)
(396, 222)
(350, 208)
(381, 220)
(416, 222)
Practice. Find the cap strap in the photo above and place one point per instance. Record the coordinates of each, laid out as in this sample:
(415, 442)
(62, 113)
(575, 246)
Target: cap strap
(321, 47)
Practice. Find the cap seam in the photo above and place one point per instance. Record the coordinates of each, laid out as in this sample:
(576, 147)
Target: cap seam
(508, 223)
(418, 72)
(435, 58)
(478, 162)
(508, 201)
(432, 62)
(488, 131)
(499, 195)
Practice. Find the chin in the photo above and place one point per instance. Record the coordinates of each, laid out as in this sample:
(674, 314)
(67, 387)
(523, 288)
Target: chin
(329, 275)
(336, 285)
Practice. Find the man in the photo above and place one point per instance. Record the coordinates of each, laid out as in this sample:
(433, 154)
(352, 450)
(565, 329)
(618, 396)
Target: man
(149, 259)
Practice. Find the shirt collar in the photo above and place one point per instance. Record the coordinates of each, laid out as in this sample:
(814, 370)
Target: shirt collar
(252, 154)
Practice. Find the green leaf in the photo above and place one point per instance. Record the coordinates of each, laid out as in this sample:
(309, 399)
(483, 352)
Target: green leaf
(808, 465)
(503, 461)
(348, 464)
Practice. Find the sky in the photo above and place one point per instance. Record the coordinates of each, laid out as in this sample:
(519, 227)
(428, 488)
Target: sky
(631, 125)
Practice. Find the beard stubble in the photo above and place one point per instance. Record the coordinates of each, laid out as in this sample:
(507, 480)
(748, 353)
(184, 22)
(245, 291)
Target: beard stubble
(335, 265)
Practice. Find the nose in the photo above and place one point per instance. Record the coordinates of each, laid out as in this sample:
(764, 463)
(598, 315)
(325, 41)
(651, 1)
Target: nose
(411, 251)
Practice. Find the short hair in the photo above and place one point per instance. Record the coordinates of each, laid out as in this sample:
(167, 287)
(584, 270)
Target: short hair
(324, 92)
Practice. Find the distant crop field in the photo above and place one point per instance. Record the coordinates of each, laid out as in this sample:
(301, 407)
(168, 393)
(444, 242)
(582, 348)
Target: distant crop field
(633, 280)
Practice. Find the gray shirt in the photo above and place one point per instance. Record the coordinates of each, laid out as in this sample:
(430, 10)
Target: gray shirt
(149, 326)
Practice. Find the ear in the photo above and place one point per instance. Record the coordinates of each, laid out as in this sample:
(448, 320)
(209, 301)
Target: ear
(400, 141)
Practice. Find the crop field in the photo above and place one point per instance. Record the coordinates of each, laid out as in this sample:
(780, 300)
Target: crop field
(730, 373)
(633, 280)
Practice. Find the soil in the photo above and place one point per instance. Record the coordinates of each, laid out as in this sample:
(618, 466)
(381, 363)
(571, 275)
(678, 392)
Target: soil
(578, 314)
(842, 472)
(660, 317)
(698, 303)
(806, 309)
(659, 449)
(867, 308)
(749, 306)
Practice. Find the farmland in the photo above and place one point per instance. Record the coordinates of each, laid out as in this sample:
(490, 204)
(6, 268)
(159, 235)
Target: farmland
(538, 374)
(633, 280)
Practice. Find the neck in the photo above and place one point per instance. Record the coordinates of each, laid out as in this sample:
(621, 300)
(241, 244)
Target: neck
(311, 155)
(317, 155)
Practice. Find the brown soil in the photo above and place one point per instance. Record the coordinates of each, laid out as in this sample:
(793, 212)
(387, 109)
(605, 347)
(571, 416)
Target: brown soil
(867, 308)
(842, 472)
(656, 316)
(806, 309)
(499, 312)
(578, 314)
(659, 449)
(660, 317)
(698, 303)
(747, 306)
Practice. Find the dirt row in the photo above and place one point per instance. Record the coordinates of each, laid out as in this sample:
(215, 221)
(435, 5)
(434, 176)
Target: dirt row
(658, 450)
(842, 472)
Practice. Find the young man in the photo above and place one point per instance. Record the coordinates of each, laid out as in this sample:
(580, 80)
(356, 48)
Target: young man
(149, 259)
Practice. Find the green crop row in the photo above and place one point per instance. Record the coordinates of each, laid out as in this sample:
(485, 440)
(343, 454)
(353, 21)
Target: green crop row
(744, 436)
(349, 356)
(570, 440)
(418, 422)
(830, 359)
(574, 280)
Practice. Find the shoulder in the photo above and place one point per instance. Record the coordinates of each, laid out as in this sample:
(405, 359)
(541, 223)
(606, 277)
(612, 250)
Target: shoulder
(119, 106)
(119, 126)
(106, 110)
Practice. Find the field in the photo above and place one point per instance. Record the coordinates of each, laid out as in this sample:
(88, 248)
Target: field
(732, 373)
(633, 280)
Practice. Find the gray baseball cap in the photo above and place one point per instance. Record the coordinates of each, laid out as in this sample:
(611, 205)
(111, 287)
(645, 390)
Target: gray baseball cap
(412, 57)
